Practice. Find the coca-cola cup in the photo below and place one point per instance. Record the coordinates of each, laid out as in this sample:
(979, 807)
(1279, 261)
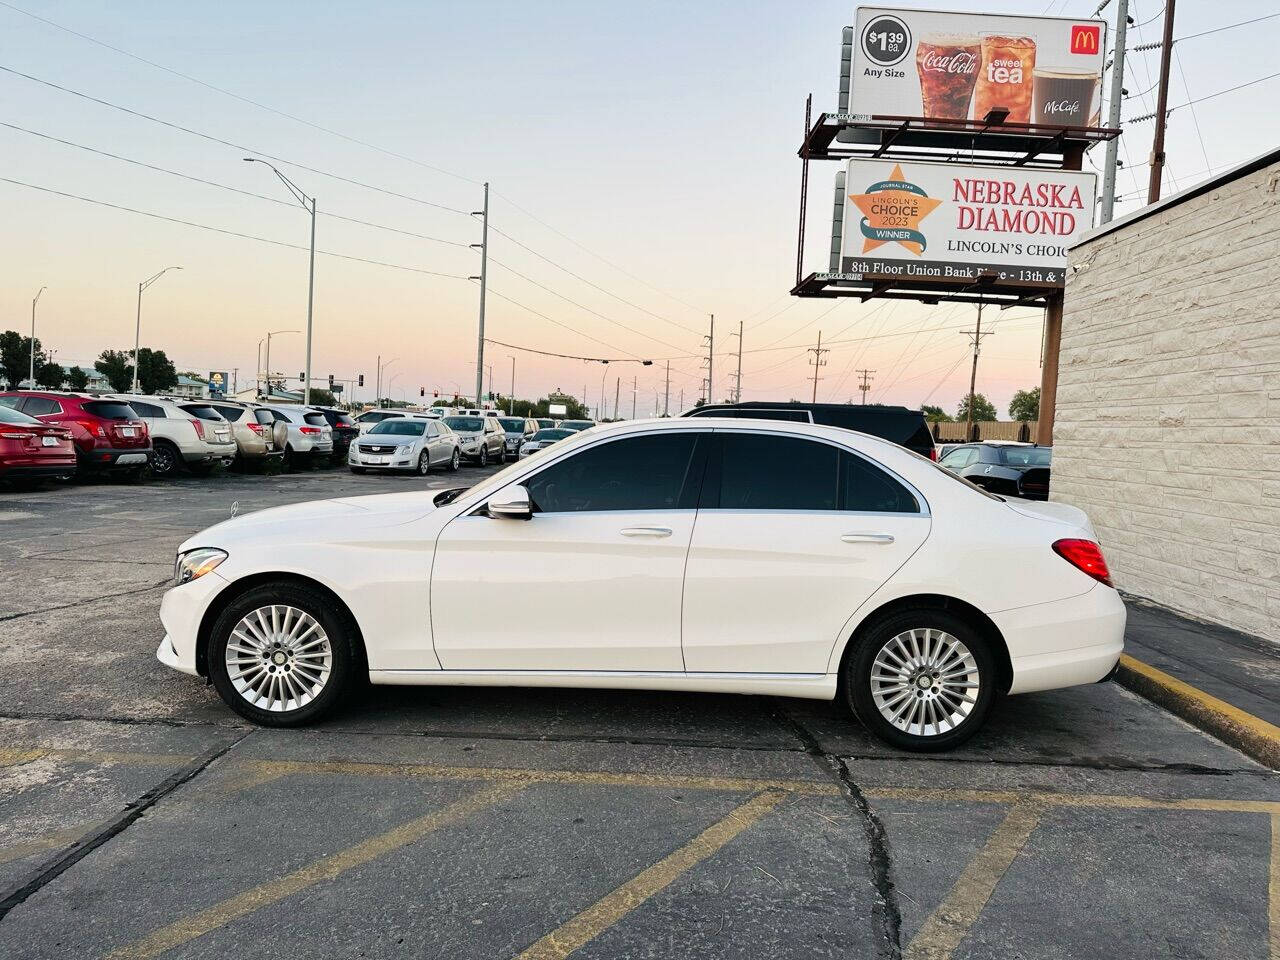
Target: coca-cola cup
(1063, 97)
(948, 68)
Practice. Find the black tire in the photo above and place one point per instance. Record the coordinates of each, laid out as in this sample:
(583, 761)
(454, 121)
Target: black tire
(424, 463)
(455, 461)
(484, 456)
(342, 639)
(166, 461)
(502, 454)
(288, 462)
(357, 469)
(875, 636)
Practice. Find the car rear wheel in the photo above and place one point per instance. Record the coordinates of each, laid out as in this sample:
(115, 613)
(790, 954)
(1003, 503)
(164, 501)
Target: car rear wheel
(424, 463)
(921, 679)
(484, 456)
(165, 459)
(502, 454)
(280, 655)
(455, 461)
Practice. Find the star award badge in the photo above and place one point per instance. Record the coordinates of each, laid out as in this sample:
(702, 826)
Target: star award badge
(892, 210)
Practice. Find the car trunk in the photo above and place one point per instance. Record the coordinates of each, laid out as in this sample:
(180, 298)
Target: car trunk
(120, 425)
(31, 444)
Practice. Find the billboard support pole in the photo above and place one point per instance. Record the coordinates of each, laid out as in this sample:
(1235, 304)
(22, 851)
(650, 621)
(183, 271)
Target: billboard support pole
(1049, 371)
(804, 187)
(1113, 111)
(1162, 105)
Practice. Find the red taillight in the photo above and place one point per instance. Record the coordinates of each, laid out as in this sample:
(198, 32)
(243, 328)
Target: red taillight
(308, 430)
(93, 427)
(1086, 556)
(933, 454)
(199, 428)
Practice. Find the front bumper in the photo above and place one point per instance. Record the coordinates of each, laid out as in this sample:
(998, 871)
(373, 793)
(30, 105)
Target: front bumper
(181, 610)
(1064, 643)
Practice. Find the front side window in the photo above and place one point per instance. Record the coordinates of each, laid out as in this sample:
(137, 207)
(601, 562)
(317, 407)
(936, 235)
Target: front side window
(635, 473)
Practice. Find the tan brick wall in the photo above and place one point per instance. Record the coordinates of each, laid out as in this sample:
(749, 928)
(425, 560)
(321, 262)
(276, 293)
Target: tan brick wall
(1168, 419)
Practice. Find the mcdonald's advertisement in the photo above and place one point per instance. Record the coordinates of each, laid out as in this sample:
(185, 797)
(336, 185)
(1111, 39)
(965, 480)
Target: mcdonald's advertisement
(951, 222)
(962, 66)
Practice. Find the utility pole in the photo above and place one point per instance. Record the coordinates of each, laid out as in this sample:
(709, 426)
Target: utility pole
(634, 384)
(866, 383)
(711, 352)
(137, 330)
(377, 386)
(1162, 106)
(737, 377)
(617, 387)
(511, 398)
(818, 363)
(682, 398)
(1113, 110)
(33, 337)
(976, 335)
(666, 393)
(483, 278)
(584, 391)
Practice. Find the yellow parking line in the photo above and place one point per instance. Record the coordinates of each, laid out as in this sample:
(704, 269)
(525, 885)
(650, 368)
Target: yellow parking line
(48, 841)
(13, 756)
(949, 924)
(1120, 801)
(1273, 906)
(603, 914)
(575, 777)
(1255, 736)
(265, 894)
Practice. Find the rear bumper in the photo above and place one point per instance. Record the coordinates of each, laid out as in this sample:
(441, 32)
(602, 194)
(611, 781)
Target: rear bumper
(63, 467)
(109, 458)
(211, 453)
(1064, 643)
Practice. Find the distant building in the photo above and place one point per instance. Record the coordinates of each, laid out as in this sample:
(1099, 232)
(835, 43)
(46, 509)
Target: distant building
(190, 387)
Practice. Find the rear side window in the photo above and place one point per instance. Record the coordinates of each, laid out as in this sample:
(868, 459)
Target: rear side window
(765, 472)
(11, 402)
(315, 419)
(111, 410)
(868, 489)
(40, 406)
(8, 415)
(637, 473)
(147, 409)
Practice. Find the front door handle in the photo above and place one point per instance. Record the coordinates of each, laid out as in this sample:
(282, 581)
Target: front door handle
(656, 532)
(867, 538)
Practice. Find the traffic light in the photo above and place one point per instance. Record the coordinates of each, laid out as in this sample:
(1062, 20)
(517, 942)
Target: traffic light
(303, 376)
(360, 380)
(422, 391)
(331, 381)
(436, 394)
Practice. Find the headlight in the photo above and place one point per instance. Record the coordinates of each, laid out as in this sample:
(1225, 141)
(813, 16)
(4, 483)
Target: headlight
(404, 450)
(194, 564)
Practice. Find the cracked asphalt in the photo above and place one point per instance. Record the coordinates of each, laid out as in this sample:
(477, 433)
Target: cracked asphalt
(140, 818)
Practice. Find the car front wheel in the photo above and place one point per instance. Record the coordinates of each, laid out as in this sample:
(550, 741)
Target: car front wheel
(484, 456)
(281, 656)
(424, 463)
(921, 679)
(455, 461)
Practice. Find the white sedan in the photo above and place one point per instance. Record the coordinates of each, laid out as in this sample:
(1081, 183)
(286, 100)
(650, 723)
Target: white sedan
(728, 556)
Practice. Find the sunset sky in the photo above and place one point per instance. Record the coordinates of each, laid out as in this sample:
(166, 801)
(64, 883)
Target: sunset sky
(643, 163)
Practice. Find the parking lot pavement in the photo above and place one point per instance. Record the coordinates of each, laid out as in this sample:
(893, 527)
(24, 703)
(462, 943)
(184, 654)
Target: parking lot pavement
(140, 818)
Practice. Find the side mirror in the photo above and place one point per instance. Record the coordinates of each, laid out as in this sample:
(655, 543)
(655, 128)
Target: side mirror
(512, 503)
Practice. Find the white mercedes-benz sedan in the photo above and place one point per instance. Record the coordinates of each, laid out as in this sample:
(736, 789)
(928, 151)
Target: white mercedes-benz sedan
(728, 556)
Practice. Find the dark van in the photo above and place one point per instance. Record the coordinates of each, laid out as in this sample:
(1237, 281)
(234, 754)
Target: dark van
(902, 426)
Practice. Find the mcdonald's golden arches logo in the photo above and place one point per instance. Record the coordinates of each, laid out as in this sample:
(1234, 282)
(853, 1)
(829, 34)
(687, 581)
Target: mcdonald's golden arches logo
(1085, 38)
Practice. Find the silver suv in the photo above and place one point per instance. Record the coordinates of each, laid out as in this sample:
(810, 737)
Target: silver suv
(519, 431)
(307, 435)
(253, 430)
(482, 438)
(180, 439)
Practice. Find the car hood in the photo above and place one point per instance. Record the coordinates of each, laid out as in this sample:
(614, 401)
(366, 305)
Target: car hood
(302, 521)
(469, 434)
(1062, 513)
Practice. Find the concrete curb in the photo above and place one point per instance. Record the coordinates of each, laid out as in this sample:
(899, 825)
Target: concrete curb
(1247, 733)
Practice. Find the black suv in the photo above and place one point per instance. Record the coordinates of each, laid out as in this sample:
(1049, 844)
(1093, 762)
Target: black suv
(1013, 469)
(907, 428)
(344, 431)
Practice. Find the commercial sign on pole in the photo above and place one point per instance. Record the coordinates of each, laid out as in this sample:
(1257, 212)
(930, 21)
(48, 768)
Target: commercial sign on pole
(950, 222)
(961, 66)
(217, 383)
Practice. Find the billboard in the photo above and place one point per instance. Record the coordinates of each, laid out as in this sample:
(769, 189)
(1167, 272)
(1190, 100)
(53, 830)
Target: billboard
(217, 383)
(951, 222)
(960, 66)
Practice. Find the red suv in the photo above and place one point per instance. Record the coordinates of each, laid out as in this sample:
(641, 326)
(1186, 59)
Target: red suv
(108, 434)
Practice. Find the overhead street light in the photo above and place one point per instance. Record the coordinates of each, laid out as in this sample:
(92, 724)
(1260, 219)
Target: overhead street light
(137, 330)
(267, 338)
(33, 335)
(308, 204)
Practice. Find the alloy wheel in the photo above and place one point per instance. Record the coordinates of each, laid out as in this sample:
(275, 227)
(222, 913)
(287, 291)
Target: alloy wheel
(278, 658)
(456, 460)
(925, 682)
(424, 463)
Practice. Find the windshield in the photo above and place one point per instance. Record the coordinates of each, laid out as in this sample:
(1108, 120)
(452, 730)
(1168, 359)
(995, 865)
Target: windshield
(465, 424)
(512, 424)
(403, 428)
(1026, 456)
(546, 423)
(553, 434)
(9, 415)
(577, 424)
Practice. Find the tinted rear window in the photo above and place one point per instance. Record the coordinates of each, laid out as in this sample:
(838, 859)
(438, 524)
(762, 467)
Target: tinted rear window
(231, 413)
(203, 411)
(340, 419)
(111, 410)
(315, 419)
(264, 416)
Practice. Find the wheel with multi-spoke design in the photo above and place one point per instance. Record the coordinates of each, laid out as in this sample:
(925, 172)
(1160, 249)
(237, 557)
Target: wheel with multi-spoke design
(922, 680)
(280, 655)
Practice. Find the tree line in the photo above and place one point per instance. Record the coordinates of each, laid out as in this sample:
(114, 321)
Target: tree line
(1025, 405)
(156, 372)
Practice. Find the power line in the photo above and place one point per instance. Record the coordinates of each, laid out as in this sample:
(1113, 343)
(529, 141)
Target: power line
(228, 143)
(236, 96)
(222, 186)
(1150, 116)
(562, 356)
(539, 313)
(229, 233)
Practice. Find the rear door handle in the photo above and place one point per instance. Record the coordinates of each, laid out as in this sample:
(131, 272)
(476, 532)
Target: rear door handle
(656, 532)
(867, 538)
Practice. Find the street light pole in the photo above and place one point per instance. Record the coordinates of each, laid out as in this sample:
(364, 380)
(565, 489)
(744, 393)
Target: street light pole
(484, 280)
(137, 329)
(308, 204)
(33, 336)
(271, 334)
(511, 399)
